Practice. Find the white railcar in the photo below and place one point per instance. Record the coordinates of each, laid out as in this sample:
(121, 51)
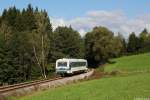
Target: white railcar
(70, 66)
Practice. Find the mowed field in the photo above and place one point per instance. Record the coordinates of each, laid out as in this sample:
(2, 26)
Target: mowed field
(126, 87)
(134, 63)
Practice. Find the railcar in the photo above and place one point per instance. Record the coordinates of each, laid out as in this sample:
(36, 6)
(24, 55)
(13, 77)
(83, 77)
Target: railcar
(70, 66)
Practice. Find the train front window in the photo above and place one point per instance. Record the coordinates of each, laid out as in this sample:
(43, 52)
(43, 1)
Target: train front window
(62, 64)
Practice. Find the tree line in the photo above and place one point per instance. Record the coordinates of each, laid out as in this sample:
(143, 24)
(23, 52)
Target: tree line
(29, 45)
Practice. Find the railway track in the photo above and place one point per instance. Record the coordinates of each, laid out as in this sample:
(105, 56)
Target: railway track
(4, 89)
(29, 87)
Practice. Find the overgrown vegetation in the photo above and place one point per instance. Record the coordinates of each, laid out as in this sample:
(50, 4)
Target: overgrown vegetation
(25, 47)
(101, 44)
(28, 45)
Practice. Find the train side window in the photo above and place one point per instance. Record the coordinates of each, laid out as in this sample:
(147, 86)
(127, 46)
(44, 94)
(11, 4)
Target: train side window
(77, 64)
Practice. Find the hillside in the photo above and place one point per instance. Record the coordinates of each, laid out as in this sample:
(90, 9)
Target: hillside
(139, 62)
(122, 88)
(127, 87)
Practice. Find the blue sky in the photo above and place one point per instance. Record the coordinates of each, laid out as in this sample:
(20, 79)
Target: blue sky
(122, 16)
(75, 8)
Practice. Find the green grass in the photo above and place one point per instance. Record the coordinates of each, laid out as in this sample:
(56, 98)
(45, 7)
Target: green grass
(127, 87)
(130, 63)
(113, 88)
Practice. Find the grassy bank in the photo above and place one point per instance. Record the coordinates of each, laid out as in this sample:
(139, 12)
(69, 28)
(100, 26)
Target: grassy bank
(128, 87)
(120, 88)
(130, 63)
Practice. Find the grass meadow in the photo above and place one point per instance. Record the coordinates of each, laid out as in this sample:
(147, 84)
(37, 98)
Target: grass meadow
(128, 87)
(139, 62)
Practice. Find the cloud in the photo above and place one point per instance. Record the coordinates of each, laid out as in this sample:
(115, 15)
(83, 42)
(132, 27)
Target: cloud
(57, 22)
(116, 21)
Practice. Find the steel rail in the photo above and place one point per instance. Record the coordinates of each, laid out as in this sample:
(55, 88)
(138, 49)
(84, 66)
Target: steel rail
(26, 84)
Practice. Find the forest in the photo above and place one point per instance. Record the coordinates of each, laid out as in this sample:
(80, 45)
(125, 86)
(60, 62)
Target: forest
(29, 46)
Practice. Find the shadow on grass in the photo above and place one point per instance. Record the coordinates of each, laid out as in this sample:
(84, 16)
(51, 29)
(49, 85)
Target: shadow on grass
(111, 62)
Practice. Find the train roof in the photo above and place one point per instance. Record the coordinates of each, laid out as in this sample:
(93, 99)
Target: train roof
(71, 59)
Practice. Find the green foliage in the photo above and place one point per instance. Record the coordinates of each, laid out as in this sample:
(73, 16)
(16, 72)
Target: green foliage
(122, 44)
(100, 45)
(28, 44)
(66, 43)
(10, 69)
(144, 41)
(133, 43)
(139, 44)
(21, 31)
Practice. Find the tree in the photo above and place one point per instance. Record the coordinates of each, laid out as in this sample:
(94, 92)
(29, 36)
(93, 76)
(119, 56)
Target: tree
(122, 44)
(0, 20)
(22, 52)
(144, 41)
(6, 30)
(133, 43)
(27, 35)
(99, 45)
(66, 43)
(10, 69)
(41, 40)
(28, 19)
(118, 46)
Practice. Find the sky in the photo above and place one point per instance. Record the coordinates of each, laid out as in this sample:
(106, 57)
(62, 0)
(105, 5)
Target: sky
(124, 16)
